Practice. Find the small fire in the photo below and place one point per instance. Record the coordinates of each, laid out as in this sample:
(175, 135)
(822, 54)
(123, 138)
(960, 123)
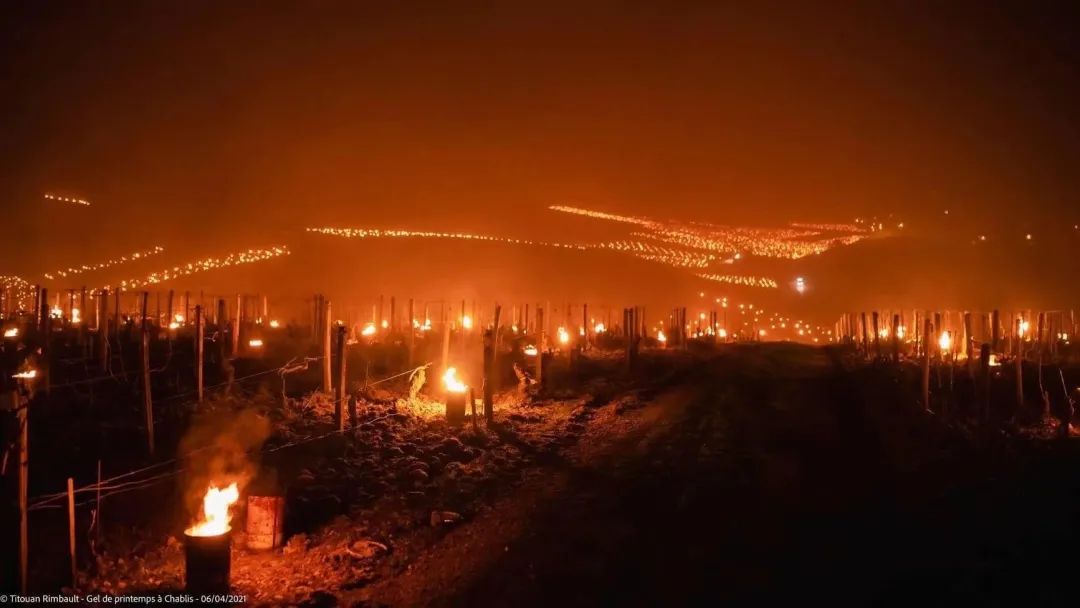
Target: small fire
(581, 331)
(255, 343)
(883, 332)
(30, 373)
(11, 332)
(385, 324)
(761, 333)
(75, 316)
(274, 324)
(722, 333)
(945, 341)
(174, 325)
(564, 336)
(452, 382)
(514, 328)
(994, 361)
(900, 331)
(56, 312)
(531, 351)
(215, 516)
(178, 318)
(466, 322)
(369, 330)
(1024, 326)
(660, 337)
(599, 328)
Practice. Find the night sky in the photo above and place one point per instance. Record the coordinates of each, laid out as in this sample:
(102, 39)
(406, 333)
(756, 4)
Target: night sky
(232, 124)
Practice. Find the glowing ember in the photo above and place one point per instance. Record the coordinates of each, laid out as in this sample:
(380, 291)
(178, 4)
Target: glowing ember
(800, 285)
(274, 323)
(255, 343)
(466, 322)
(369, 330)
(945, 341)
(12, 332)
(660, 337)
(385, 324)
(215, 514)
(31, 373)
(531, 351)
(452, 383)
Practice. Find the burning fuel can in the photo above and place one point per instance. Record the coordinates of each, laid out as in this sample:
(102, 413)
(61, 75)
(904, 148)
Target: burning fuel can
(207, 563)
(265, 515)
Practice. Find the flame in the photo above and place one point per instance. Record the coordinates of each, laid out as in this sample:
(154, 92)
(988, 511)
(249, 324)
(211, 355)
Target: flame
(945, 341)
(722, 333)
(451, 381)
(466, 322)
(564, 336)
(12, 332)
(274, 323)
(994, 361)
(369, 330)
(1024, 326)
(900, 331)
(385, 324)
(660, 336)
(56, 312)
(531, 351)
(514, 328)
(75, 315)
(174, 325)
(32, 373)
(255, 343)
(178, 318)
(599, 328)
(883, 332)
(215, 517)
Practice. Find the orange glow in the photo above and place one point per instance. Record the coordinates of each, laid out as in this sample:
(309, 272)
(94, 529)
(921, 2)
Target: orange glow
(32, 373)
(369, 330)
(945, 341)
(215, 512)
(11, 332)
(531, 351)
(274, 323)
(599, 328)
(564, 336)
(660, 337)
(255, 343)
(452, 383)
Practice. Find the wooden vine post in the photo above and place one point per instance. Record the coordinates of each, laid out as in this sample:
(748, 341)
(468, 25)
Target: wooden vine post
(19, 402)
(540, 335)
(103, 331)
(148, 404)
(926, 364)
(342, 393)
(326, 345)
(199, 352)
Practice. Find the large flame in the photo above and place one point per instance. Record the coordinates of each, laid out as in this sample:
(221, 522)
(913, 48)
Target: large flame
(452, 382)
(215, 516)
(945, 341)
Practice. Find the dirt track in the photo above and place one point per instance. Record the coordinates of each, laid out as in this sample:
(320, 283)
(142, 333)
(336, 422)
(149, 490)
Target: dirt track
(765, 476)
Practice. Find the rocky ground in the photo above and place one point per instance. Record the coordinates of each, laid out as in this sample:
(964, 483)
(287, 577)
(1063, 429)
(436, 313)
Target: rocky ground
(752, 475)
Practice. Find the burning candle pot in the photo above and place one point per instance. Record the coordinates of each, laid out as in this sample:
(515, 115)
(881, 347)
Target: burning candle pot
(208, 543)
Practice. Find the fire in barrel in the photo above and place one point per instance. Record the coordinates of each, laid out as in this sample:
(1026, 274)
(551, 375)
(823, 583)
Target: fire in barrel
(207, 543)
(455, 396)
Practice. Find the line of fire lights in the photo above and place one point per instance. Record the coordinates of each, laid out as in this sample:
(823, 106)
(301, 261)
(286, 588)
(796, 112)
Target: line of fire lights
(67, 199)
(138, 255)
(205, 264)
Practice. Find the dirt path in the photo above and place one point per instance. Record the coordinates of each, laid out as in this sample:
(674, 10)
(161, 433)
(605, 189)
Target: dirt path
(775, 477)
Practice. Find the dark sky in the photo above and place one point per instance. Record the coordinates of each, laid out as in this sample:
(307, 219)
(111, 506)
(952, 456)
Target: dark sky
(249, 119)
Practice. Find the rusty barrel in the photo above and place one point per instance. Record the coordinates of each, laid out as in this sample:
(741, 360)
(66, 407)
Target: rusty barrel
(207, 562)
(455, 408)
(265, 517)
